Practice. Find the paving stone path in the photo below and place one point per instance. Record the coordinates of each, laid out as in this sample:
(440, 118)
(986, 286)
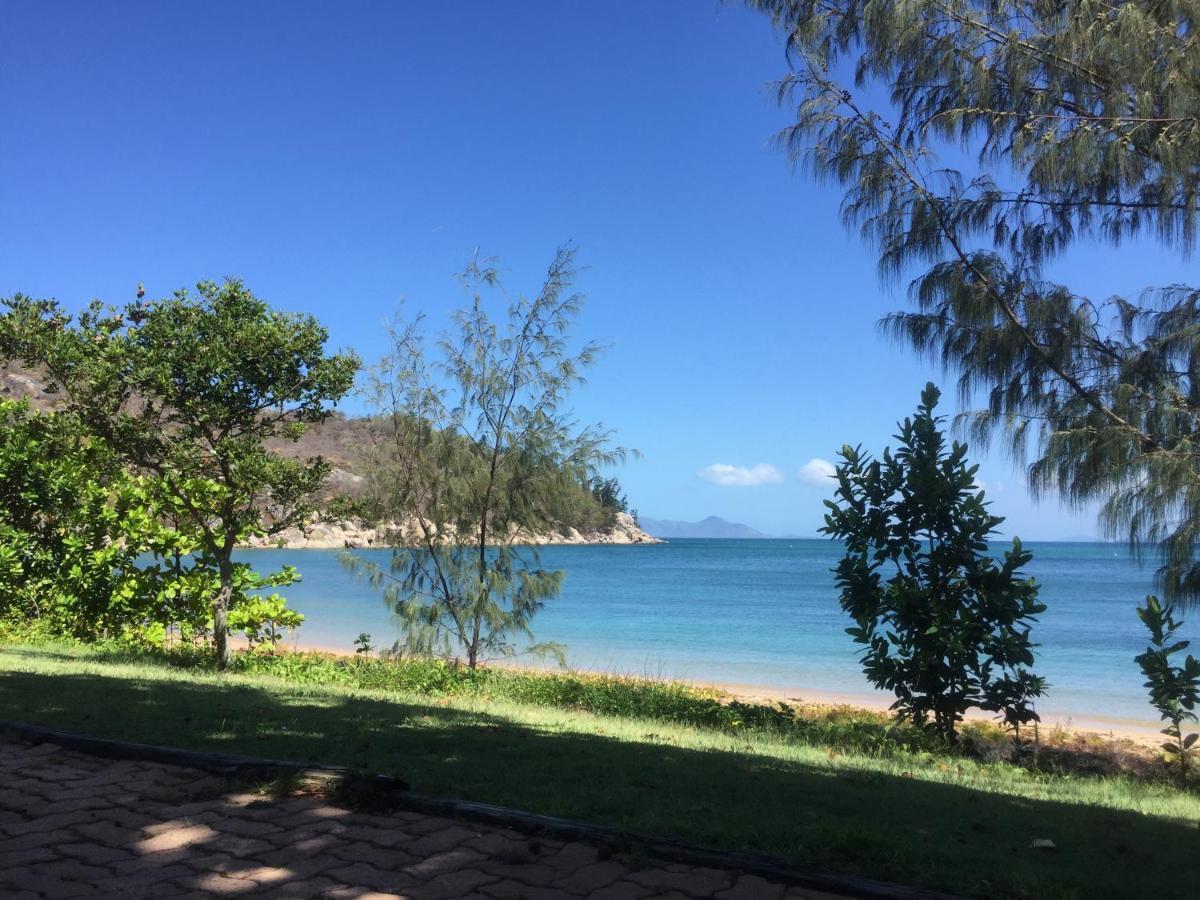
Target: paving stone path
(73, 825)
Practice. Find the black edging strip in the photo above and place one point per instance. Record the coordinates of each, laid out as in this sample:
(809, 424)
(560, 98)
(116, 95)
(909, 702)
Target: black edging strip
(398, 792)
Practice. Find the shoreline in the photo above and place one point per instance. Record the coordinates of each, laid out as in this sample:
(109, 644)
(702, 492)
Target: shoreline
(349, 534)
(1144, 732)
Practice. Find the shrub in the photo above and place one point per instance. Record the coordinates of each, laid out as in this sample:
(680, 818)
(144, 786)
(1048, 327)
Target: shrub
(264, 620)
(1174, 690)
(343, 508)
(73, 525)
(945, 627)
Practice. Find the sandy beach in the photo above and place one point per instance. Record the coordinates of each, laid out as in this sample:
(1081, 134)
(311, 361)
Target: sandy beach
(1141, 730)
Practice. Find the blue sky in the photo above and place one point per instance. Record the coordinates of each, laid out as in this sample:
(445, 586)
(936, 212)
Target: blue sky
(341, 158)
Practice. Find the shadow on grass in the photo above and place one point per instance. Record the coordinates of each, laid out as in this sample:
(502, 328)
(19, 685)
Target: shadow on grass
(859, 821)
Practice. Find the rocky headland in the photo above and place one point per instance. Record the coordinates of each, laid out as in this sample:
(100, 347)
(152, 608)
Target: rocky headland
(348, 534)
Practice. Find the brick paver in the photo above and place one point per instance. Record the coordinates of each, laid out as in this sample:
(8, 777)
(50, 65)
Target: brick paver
(73, 825)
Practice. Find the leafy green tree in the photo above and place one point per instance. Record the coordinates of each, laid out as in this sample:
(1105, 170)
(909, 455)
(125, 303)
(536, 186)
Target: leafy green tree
(481, 452)
(944, 625)
(608, 494)
(264, 621)
(1174, 690)
(73, 523)
(188, 390)
(1068, 122)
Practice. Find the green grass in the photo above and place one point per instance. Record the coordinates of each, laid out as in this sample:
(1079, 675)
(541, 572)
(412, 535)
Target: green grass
(888, 812)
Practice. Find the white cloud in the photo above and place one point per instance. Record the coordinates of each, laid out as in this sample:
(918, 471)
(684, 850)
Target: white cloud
(740, 476)
(816, 472)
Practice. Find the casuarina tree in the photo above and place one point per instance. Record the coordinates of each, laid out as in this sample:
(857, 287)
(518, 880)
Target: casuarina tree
(944, 625)
(481, 452)
(1065, 125)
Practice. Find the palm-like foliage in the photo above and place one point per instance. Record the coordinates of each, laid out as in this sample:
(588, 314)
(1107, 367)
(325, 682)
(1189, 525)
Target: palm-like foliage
(481, 452)
(1080, 120)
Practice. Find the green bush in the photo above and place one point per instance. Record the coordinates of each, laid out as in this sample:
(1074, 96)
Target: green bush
(342, 508)
(1174, 690)
(944, 626)
(264, 620)
(73, 524)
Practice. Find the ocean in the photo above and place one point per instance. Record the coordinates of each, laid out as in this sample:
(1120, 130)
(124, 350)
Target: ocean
(764, 613)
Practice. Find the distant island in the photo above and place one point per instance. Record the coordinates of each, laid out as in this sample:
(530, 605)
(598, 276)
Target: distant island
(712, 527)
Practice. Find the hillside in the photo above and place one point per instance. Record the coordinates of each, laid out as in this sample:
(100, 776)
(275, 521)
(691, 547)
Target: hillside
(345, 443)
(342, 441)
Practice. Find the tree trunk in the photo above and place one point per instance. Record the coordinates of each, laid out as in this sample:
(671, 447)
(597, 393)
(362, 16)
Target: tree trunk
(945, 723)
(221, 612)
(1177, 724)
(948, 727)
(473, 649)
(476, 629)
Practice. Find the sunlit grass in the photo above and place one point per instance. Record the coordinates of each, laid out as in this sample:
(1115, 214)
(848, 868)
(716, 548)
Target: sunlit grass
(908, 815)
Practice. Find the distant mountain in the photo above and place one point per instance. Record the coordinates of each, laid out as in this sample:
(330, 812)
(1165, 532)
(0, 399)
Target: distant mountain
(712, 527)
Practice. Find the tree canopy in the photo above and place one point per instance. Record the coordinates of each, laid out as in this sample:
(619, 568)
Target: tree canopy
(73, 523)
(482, 451)
(1068, 122)
(188, 390)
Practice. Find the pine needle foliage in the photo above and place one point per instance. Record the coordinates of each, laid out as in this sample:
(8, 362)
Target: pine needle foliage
(481, 452)
(943, 624)
(1076, 121)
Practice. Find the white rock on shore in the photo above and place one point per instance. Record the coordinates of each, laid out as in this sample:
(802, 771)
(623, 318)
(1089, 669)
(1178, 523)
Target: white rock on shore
(343, 535)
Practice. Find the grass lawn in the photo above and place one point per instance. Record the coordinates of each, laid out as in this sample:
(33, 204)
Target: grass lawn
(917, 818)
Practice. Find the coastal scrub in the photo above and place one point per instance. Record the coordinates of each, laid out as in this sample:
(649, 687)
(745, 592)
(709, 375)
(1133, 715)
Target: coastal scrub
(943, 624)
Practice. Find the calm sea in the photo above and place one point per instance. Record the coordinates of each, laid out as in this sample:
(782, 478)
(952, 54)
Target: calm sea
(764, 613)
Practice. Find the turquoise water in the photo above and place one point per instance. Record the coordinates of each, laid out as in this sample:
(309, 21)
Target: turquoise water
(764, 613)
